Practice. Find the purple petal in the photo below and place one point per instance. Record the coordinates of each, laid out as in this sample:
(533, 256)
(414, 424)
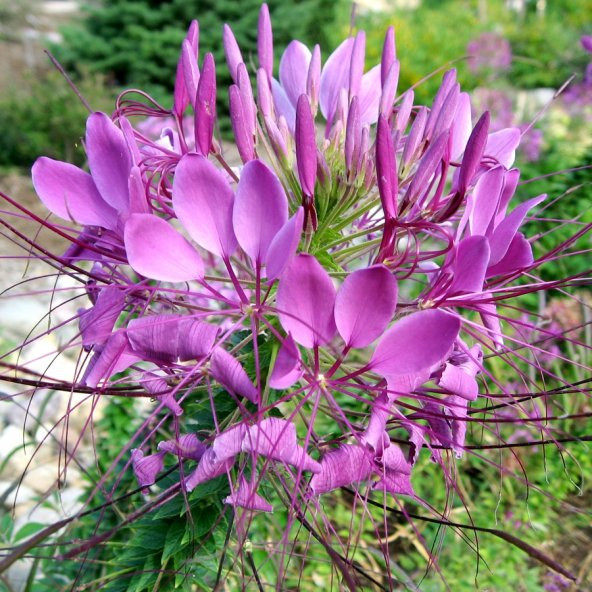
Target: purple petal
(264, 97)
(370, 96)
(229, 443)
(203, 201)
(427, 166)
(353, 133)
(116, 355)
(282, 103)
(205, 107)
(511, 182)
(137, 193)
(181, 98)
(284, 244)
(305, 301)
(386, 173)
(461, 126)
(187, 446)
(403, 384)
(275, 439)
(208, 468)
(586, 42)
(150, 243)
(265, 40)
(306, 146)
(146, 468)
(71, 194)
(232, 52)
(485, 200)
(359, 324)
(230, 374)
(246, 497)
(190, 71)
(415, 342)
(504, 234)
(334, 77)
(374, 434)
(518, 256)
(459, 382)
(339, 468)
(470, 265)
(96, 324)
(356, 67)
(288, 367)
(313, 80)
(260, 209)
(389, 90)
(109, 160)
(159, 388)
(415, 136)
(294, 70)
(448, 111)
(473, 152)
(171, 337)
(389, 54)
(247, 100)
(396, 472)
(404, 111)
(243, 136)
(502, 145)
(448, 81)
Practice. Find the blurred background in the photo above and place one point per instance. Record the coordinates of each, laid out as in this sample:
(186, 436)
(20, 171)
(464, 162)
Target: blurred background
(519, 58)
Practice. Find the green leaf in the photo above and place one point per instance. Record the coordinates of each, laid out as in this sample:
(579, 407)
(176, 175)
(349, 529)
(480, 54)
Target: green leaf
(28, 529)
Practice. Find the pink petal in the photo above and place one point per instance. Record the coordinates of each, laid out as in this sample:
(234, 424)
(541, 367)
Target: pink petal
(205, 106)
(208, 468)
(241, 126)
(502, 145)
(116, 355)
(265, 41)
(504, 234)
(511, 182)
(491, 321)
(71, 194)
(415, 342)
(470, 265)
(232, 51)
(339, 468)
(190, 70)
(96, 324)
(260, 209)
(159, 388)
(374, 435)
(246, 497)
(109, 160)
(334, 77)
(229, 443)
(146, 468)
(288, 368)
(485, 200)
(156, 250)
(306, 146)
(461, 126)
(282, 103)
(203, 201)
(305, 301)
(370, 96)
(187, 446)
(276, 439)
(358, 323)
(171, 337)
(294, 70)
(229, 373)
(283, 246)
(459, 382)
(137, 193)
(518, 256)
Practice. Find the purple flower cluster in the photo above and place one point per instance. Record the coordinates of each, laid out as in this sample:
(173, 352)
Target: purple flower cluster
(360, 248)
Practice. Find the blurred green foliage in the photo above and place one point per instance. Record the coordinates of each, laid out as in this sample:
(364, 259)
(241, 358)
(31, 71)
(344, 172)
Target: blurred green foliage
(44, 117)
(546, 47)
